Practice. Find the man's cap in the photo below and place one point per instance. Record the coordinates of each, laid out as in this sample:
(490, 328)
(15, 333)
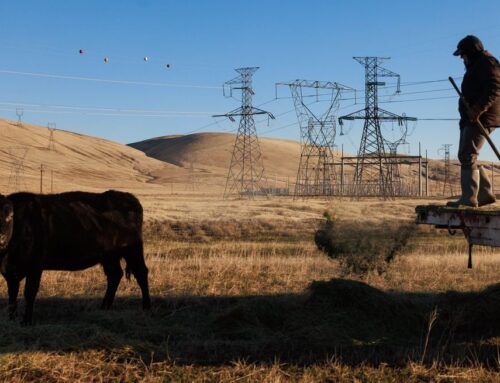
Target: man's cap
(469, 44)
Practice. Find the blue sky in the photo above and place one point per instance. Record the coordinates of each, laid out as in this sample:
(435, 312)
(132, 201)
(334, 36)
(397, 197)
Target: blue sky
(43, 73)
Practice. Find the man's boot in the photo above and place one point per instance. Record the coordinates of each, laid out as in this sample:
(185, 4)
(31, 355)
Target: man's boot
(485, 195)
(469, 181)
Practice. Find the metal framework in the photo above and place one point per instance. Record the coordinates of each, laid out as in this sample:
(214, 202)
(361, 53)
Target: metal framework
(246, 168)
(192, 179)
(394, 159)
(19, 114)
(316, 174)
(374, 171)
(447, 167)
(401, 188)
(51, 126)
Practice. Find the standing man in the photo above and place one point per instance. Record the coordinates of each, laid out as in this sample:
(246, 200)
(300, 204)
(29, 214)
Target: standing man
(481, 101)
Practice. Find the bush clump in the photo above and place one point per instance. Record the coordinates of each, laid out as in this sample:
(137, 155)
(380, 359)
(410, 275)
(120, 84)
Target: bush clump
(362, 247)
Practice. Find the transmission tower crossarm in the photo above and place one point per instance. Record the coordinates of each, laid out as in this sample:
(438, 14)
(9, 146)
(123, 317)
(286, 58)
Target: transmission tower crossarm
(228, 114)
(383, 72)
(389, 116)
(357, 115)
(260, 111)
(381, 115)
(244, 112)
(316, 84)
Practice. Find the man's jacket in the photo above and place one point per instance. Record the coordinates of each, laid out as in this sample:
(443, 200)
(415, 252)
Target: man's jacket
(481, 90)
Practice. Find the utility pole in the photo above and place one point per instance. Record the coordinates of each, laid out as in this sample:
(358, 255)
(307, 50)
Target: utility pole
(426, 174)
(316, 174)
(41, 178)
(373, 173)
(246, 168)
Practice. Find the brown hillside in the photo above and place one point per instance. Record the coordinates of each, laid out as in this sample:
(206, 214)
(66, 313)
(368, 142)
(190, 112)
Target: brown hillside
(196, 163)
(212, 152)
(72, 162)
(209, 156)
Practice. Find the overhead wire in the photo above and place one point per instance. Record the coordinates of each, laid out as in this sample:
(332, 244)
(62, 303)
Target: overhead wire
(158, 113)
(125, 82)
(139, 112)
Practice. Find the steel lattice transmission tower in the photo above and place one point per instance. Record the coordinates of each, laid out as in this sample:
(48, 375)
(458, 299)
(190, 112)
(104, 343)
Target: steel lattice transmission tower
(373, 175)
(447, 168)
(19, 114)
(51, 126)
(316, 174)
(392, 144)
(246, 168)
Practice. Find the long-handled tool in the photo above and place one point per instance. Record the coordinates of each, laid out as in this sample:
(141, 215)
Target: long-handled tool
(477, 122)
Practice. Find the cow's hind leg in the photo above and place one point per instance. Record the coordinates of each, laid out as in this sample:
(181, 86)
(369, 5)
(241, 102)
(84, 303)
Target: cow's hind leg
(114, 273)
(13, 289)
(30, 291)
(134, 256)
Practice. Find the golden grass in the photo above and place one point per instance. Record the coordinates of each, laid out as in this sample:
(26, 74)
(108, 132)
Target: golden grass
(214, 267)
(96, 366)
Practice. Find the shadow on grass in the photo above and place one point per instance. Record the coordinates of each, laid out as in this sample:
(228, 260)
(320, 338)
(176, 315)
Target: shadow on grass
(345, 319)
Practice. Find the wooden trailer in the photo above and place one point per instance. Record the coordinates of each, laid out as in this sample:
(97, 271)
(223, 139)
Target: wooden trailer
(480, 226)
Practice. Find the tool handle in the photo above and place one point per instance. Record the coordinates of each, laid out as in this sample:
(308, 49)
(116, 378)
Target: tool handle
(478, 123)
(455, 86)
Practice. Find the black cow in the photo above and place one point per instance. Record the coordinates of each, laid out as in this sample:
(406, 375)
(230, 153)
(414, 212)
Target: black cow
(70, 231)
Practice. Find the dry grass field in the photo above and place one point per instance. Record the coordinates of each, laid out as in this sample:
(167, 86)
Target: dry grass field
(241, 293)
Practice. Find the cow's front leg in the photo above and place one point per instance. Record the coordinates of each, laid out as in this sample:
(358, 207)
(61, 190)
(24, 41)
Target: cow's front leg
(30, 291)
(13, 288)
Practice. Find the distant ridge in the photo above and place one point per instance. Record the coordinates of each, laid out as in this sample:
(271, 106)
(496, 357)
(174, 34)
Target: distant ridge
(212, 151)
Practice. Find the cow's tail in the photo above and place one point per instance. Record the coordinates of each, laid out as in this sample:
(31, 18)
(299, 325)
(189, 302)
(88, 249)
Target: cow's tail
(127, 272)
(134, 259)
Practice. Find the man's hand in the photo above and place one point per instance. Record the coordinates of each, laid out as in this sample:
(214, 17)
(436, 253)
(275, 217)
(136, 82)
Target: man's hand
(474, 112)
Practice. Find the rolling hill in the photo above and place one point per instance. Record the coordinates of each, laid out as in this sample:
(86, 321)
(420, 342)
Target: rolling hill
(29, 159)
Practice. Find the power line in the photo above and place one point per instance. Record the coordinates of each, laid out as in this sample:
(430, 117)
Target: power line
(417, 99)
(438, 119)
(106, 109)
(408, 100)
(119, 112)
(126, 82)
(90, 113)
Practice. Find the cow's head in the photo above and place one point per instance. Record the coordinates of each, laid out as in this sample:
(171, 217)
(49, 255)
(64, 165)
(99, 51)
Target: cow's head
(6, 222)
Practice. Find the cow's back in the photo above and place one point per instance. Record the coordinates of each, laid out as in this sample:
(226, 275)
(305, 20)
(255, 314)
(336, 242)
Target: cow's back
(78, 229)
